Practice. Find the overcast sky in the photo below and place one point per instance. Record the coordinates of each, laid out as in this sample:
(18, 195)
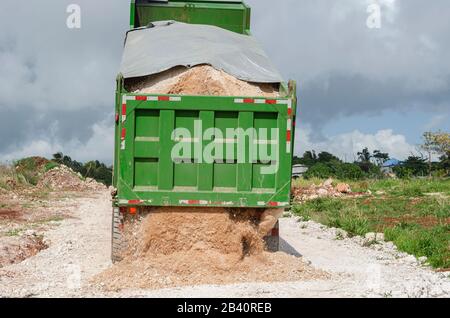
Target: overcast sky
(358, 86)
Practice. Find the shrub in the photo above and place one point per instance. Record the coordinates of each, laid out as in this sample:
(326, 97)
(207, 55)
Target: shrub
(348, 171)
(319, 170)
(403, 172)
(50, 165)
(335, 169)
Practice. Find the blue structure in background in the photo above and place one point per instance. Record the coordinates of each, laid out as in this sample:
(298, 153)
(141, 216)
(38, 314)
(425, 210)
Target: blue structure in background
(389, 165)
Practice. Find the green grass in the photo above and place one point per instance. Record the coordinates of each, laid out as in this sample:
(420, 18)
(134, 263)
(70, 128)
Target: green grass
(14, 232)
(432, 243)
(300, 182)
(50, 165)
(417, 223)
(414, 187)
(51, 219)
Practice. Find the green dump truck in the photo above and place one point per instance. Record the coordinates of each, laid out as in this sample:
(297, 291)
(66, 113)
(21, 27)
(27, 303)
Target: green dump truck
(146, 172)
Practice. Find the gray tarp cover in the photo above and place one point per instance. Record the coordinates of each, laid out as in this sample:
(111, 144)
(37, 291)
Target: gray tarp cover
(168, 44)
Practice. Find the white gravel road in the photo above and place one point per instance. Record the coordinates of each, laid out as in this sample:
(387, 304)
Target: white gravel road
(80, 248)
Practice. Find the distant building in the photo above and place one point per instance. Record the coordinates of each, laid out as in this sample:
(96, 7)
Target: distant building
(298, 171)
(388, 166)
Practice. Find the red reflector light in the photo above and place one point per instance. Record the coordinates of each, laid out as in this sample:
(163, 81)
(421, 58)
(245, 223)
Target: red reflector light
(123, 210)
(133, 210)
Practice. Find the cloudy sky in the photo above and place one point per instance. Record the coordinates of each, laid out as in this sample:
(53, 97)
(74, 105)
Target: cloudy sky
(358, 86)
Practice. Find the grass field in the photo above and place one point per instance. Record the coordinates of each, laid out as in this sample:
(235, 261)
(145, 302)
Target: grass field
(414, 214)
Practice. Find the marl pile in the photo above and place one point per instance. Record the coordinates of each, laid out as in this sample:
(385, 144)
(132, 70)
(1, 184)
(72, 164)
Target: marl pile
(178, 247)
(199, 80)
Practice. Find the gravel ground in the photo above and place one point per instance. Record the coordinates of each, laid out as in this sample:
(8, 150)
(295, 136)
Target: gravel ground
(80, 248)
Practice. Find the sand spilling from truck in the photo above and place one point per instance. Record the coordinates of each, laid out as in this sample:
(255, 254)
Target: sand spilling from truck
(177, 247)
(199, 80)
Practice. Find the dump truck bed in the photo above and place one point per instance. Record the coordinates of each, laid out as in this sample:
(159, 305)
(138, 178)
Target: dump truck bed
(229, 15)
(148, 172)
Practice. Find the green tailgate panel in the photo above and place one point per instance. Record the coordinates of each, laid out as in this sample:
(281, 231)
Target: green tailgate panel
(231, 15)
(148, 173)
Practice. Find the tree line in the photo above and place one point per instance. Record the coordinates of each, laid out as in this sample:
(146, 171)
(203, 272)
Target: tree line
(91, 169)
(369, 164)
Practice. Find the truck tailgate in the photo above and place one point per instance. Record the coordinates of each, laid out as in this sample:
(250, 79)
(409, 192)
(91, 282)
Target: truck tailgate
(149, 173)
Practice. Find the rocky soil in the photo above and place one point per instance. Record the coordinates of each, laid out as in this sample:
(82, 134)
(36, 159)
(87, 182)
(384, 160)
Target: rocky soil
(79, 249)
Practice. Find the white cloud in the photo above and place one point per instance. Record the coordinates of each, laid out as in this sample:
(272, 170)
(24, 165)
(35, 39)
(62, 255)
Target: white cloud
(346, 145)
(98, 147)
(55, 78)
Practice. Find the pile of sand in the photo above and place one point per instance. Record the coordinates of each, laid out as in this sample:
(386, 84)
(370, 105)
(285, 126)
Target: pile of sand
(177, 247)
(64, 178)
(173, 246)
(199, 80)
(323, 190)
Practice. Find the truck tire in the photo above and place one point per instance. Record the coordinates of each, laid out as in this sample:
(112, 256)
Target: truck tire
(117, 240)
(273, 239)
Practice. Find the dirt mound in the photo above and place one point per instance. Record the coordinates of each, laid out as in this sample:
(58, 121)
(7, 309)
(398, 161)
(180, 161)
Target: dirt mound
(177, 247)
(170, 230)
(64, 178)
(15, 249)
(199, 80)
(32, 162)
(323, 190)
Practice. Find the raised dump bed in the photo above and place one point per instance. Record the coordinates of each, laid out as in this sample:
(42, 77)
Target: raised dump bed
(230, 15)
(200, 144)
(148, 173)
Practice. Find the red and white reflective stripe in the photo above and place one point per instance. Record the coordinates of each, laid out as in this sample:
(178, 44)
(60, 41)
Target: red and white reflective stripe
(194, 202)
(277, 204)
(256, 101)
(289, 127)
(272, 203)
(155, 98)
(124, 112)
(287, 102)
(289, 135)
(134, 202)
(124, 108)
(122, 138)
